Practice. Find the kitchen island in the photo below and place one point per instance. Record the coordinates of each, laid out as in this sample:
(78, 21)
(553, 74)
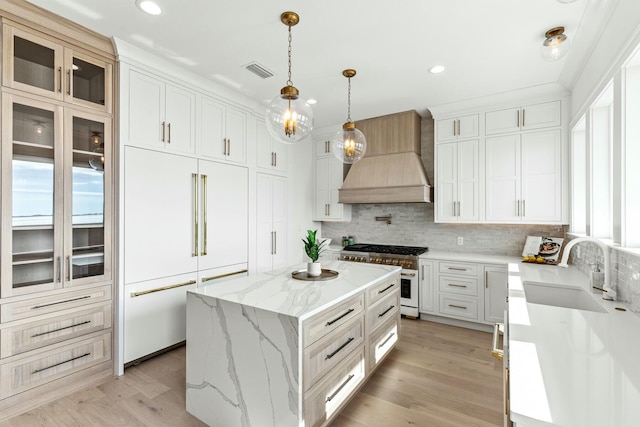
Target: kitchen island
(270, 350)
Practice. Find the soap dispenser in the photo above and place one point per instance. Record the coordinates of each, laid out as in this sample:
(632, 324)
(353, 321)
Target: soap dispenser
(597, 277)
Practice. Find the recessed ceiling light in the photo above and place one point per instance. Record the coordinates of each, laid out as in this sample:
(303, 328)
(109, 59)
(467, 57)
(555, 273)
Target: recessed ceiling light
(436, 69)
(312, 101)
(149, 6)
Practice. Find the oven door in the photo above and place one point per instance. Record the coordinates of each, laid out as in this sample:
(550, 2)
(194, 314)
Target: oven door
(409, 292)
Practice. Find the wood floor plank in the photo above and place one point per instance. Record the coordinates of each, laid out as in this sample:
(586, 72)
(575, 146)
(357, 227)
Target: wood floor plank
(438, 376)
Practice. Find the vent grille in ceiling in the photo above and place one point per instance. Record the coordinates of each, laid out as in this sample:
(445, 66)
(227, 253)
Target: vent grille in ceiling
(259, 70)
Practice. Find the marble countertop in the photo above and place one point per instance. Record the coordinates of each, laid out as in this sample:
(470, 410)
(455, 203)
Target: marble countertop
(277, 291)
(571, 367)
(469, 257)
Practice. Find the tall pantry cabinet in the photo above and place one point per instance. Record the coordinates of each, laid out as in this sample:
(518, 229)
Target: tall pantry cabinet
(57, 192)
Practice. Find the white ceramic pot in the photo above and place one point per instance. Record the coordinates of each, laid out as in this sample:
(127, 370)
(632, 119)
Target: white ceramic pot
(314, 269)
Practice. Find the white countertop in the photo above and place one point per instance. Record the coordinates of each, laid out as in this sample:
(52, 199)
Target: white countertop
(277, 291)
(468, 257)
(571, 367)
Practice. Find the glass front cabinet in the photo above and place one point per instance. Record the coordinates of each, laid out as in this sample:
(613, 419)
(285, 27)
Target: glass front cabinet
(39, 65)
(56, 196)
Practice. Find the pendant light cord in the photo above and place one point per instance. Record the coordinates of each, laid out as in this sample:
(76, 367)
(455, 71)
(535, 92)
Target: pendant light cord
(349, 102)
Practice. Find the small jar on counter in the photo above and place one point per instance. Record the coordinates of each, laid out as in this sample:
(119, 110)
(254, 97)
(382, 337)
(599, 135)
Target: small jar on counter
(345, 241)
(351, 240)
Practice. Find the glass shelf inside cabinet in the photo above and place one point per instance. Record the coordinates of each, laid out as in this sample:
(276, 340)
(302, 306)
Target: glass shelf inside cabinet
(88, 198)
(32, 202)
(33, 64)
(88, 81)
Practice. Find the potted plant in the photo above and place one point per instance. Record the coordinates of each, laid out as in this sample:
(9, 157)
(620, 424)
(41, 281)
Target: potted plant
(313, 250)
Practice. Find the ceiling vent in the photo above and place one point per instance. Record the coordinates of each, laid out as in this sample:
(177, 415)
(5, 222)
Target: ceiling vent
(259, 70)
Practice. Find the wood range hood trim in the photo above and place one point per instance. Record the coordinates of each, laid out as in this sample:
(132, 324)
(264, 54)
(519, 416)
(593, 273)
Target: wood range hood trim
(392, 170)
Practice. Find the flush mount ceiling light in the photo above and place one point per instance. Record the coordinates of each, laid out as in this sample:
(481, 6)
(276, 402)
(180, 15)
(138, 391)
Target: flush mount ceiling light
(349, 144)
(555, 45)
(148, 6)
(289, 117)
(436, 69)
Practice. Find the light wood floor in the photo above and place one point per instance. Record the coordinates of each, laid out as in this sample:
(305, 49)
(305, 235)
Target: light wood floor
(438, 375)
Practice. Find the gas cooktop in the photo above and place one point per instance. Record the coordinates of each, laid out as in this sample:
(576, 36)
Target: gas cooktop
(387, 249)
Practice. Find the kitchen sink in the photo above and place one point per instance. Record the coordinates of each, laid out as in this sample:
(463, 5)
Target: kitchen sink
(561, 296)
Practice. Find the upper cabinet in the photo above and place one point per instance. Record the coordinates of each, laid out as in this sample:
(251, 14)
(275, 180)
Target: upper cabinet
(461, 127)
(329, 175)
(458, 177)
(44, 66)
(529, 117)
(223, 131)
(161, 114)
(272, 155)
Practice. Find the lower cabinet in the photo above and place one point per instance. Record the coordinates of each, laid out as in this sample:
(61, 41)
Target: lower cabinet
(495, 293)
(426, 291)
(155, 314)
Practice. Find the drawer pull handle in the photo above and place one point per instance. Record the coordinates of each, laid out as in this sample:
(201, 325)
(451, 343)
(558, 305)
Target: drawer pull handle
(457, 286)
(346, 343)
(60, 302)
(221, 276)
(457, 268)
(331, 322)
(60, 329)
(61, 363)
(386, 289)
(457, 306)
(164, 288)
(386, 311)
(335, 393)
(386, 340)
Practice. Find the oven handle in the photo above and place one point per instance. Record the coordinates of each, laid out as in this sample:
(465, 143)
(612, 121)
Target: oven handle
(408, 274)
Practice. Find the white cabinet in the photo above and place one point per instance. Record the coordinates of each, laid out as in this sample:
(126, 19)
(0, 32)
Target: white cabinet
(458, 290)
(272, 154)
(523, 177)
(271, 220)
(222, 131)
(329, 176)
(161, 114)
(495, 293)
(461, 127)
(457, 181)
(426, 291)
(528, 117)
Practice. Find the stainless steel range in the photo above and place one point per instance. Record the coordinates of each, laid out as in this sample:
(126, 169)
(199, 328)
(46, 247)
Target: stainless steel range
(402, 256)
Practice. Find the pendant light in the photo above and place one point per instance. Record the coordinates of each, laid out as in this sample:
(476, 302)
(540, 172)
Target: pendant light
(349, 144)
(555, 45)
(289, 117)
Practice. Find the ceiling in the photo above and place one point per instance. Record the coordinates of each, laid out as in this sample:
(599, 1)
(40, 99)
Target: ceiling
(488, 47)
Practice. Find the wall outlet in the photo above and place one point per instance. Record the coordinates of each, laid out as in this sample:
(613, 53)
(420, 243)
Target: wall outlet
(460, 240)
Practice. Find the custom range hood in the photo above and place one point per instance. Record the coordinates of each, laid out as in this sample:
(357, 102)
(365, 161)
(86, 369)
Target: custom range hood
(392, 170)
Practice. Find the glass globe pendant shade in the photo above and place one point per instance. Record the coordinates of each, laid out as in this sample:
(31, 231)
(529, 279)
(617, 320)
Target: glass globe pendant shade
(555, 46)
(289, 118)
(349, 144)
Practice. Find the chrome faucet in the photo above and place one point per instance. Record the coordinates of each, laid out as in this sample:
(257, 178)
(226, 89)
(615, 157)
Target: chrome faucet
(607, 291)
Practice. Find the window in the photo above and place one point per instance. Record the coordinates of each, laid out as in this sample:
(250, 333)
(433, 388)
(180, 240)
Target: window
(579, 179)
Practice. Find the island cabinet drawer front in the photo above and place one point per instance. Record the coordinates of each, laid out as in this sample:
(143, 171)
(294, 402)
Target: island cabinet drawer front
(53, 303)
(321, 324)
(458, 285)
(45, 330)
(386, 309)
(465, 268)
(381, 290)
(326, 353)
(32, 371)
(459, 306)
(330, 394)
(381, 342)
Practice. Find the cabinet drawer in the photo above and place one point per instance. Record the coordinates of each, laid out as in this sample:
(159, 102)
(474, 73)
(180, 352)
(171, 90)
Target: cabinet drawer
(381, 290)
(32, 371)
(459, 306)
(326, 353)
(387, 308)
(327, 397)
(53, 303)
(458, 285)
(321, 324)
(465, 268)
(382, 342)
(22, 336)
